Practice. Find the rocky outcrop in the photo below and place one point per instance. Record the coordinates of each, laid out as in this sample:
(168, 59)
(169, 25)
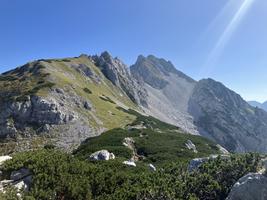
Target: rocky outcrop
(21, 181)
(253, 186)
(86, 71)
(191, 146)
(222, 149)
(117, 72)
(102, 155)
(35, 111)
(223, 116)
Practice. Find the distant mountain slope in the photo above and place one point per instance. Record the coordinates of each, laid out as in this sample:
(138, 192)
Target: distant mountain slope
(168, 91)
(258, 104)
(224, 116)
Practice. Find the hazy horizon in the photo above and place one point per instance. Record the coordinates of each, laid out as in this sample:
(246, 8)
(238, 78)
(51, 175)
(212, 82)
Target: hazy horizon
(224, 40)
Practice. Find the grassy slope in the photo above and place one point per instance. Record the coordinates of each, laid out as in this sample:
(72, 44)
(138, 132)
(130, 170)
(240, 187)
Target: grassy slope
(39, 76)
(161, 143)
(64, 75)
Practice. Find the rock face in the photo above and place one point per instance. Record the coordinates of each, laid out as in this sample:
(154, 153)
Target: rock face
(117, 72)
(223, 116)
(253, 186)
(102, 155)
(35, 110)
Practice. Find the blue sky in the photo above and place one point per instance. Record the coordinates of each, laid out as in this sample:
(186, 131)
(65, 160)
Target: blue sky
(222, 39)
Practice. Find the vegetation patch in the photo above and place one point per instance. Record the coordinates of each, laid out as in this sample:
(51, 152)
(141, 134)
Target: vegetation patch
(107, 99)
(87, 90)
(24, 81)
(156, 142)
(57, 175)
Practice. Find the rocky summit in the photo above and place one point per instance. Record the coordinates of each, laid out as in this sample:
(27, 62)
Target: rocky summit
(64, 101)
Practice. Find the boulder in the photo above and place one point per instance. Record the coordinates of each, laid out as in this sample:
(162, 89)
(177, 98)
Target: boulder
(4, 158)
(87, 105)
(23, 184)
(152, 167)
(197, 162)
(253, 186)
(130, 163)
(20, 174)
(20, 180)
(190, 145)
(222, 149)
(102, 155)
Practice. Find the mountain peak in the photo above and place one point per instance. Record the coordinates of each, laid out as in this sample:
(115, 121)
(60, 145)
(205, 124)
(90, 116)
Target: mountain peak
(155, 71)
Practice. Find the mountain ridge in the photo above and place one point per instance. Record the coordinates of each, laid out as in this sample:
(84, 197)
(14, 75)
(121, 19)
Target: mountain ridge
(76, 98)
(258, 104)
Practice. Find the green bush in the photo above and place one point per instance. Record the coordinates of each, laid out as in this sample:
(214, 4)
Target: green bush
(57, 175)
(87, 90)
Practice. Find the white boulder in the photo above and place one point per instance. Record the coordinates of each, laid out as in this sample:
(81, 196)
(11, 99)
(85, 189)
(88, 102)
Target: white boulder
(4, 158)
(152, 167)
(102, 155)
(130, 163)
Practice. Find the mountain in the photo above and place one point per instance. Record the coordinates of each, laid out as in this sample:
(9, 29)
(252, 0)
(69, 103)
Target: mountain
(68, 99)
(222, 115)
(168, 91)
(65, 101)
(258, 104)
(204, 107)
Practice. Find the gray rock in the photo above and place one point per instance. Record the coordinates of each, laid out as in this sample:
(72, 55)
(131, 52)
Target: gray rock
(21, 180)
(222, 149)
(23, 184)
(197, 162)
(190, 145)
(253, 186)
(37, 110)
(102, 155)
(20, 174)
(87, 105)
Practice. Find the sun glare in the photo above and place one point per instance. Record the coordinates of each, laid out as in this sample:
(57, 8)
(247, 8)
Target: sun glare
(226, 35)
